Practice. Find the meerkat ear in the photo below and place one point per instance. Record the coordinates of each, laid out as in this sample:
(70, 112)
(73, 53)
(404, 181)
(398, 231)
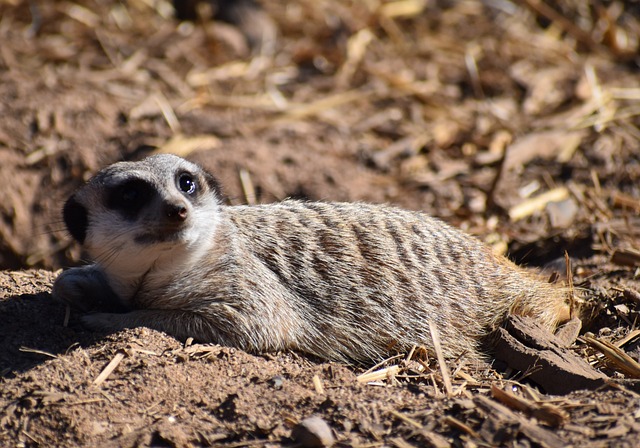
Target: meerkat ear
(76, 219)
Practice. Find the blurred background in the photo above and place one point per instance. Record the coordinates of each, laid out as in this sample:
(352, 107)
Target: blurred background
(515, 120)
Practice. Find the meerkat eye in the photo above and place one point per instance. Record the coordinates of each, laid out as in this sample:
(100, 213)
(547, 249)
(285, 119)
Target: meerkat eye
(187, 183)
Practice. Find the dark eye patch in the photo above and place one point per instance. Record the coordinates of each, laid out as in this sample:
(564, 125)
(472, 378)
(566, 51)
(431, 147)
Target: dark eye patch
(129, 197)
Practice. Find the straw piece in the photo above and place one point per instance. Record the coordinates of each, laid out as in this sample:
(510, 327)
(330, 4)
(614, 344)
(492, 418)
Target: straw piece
(402, 8)
(384, 373)
(622, 200)
(247, 186)
(537, 203)
(168, 112)
(632, 336)
(356, 49)
(446, 378)
(305, 110)
(182, 146)
(570, 292)
(113, 364)
(317, 384)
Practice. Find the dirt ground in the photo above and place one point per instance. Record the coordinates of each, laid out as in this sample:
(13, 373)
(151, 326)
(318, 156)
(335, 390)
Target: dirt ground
(512, 120)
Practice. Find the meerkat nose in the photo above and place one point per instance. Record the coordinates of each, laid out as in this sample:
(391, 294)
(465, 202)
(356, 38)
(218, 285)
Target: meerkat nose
(175, 212)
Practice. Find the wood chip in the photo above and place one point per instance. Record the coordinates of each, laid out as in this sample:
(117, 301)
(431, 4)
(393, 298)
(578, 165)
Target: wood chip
(526, 346)
(545, 412)
(400, 443)
(499, 418)
(556, 144)
(626, 257)
(568, 333)
(435, 439)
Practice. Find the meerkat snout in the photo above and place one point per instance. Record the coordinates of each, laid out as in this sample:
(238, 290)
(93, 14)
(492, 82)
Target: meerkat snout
(175, 212)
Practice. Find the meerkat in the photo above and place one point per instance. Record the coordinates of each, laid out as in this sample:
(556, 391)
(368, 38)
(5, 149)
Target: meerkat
(350, 282)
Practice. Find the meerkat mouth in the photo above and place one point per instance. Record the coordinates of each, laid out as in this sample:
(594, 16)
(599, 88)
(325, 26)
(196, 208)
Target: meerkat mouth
(165, 234)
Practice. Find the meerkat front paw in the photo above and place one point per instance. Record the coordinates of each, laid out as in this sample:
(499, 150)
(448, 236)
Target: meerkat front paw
(86, 289)
(100, 322)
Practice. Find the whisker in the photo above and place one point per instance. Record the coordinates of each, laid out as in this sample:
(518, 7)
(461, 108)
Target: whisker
(111, 253)
(107, 257)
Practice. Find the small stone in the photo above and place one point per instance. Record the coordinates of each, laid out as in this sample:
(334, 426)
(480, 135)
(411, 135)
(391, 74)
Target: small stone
(562, 214)
(313, 432)
(277, 382)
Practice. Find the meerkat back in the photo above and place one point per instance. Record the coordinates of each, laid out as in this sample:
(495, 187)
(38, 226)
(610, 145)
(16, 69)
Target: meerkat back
(343, 281)
(367, 278)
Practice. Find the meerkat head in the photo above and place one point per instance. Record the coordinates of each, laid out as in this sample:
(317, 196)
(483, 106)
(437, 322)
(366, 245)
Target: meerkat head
(131, 213)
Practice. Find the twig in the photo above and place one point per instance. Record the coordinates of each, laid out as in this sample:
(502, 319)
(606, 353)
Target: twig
(491, 194)
(405, 419)
(383, 362)
(457, 424)
(615, 355)
(410, 354)
(39, 352)
(572, 300)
